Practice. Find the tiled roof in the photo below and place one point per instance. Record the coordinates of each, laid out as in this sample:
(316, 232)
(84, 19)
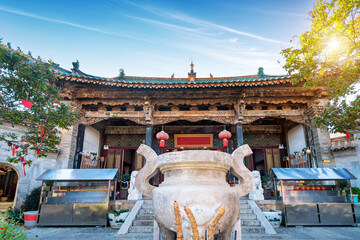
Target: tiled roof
(159, 83)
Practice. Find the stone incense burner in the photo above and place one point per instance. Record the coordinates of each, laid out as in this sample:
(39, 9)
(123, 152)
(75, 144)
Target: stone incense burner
(195, 179)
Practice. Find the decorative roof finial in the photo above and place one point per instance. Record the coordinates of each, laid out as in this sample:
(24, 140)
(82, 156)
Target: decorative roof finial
(121, 73)
(76, 65)
(192, 67)
(9, 45)
(29, 53)
(192, 74)
(261, 71)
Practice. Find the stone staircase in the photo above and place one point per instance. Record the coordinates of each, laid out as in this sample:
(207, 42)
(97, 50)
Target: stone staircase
(250, 226)
(142, 226)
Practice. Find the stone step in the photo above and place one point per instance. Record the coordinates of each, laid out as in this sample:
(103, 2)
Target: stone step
(145, 217)
(143, 223)
(145, 211)
(248, 216)
(244, 206)
(259, 236)
(141, 229)
(149, 206)
(244, 211)
(250, 222)
(143, 236)
(252, 229)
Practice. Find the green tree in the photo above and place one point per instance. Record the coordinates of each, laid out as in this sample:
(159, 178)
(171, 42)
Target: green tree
(25, 78)
(328, 56)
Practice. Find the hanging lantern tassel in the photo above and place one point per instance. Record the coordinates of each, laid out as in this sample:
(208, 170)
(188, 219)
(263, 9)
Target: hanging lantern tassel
(225, 135)
(23, 164)
(225, 142)
(42, 134)
(13, 150)
(162, 136)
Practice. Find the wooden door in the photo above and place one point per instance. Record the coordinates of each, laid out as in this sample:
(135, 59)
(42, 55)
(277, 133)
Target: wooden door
(272, 156)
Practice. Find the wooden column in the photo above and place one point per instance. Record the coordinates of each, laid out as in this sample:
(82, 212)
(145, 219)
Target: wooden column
(79, 145)
(149, 135)
(239, 134)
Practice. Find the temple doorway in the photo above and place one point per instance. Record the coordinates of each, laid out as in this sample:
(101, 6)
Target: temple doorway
(8, 185)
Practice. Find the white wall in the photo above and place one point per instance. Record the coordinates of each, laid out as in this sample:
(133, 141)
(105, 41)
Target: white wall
(296, 139)
(38, 166)
(91, 140)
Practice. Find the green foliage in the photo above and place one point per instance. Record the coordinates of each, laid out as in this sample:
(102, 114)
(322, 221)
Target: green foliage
(355, 190)
(24, 78)
(265, 178)
(126, 177)
(14, 215)
(328, 57)
(10, 230)
(31, 201)
(118, 212)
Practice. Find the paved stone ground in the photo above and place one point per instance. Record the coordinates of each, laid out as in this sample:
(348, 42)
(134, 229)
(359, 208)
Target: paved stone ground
(338, 233)
(95, 233)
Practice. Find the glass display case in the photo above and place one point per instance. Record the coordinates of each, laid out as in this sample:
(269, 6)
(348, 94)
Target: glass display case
(75, 192)
(76, 196)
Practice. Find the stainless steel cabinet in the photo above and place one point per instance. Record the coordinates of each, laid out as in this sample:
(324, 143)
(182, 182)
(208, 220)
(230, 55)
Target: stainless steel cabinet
(56, 214)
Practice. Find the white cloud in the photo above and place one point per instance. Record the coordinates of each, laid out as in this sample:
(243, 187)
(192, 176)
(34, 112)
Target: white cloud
(233, 40)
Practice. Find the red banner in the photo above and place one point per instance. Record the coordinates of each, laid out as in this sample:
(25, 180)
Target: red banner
(193, 140)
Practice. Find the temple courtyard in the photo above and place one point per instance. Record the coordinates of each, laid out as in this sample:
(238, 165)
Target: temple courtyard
(293, 233)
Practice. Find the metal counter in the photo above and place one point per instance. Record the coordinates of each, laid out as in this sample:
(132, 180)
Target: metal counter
(76, 197)
(323, 206)
(320, 214)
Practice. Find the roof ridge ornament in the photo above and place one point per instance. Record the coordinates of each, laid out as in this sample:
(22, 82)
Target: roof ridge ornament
(76, 65)
(261, 71)
(192, 74)
(121, 73)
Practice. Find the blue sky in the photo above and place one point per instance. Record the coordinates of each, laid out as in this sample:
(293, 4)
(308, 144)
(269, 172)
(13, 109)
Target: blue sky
(157, 38)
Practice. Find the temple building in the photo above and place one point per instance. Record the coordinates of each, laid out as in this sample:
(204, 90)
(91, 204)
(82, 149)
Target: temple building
(265, 111)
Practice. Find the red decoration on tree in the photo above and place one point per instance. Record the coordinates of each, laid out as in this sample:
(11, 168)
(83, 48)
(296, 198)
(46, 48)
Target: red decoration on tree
(347, 135)
(225, 135)
(42, 134)
(9, 144)
(38, 152)
(22, 160)
(13, 150)
(26, 103)
(162, 136)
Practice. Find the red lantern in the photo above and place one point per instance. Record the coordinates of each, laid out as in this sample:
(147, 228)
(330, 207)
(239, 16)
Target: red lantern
(225, 135)
(162, 136)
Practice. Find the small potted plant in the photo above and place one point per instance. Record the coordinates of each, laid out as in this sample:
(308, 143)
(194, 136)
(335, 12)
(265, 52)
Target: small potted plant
(117, 217)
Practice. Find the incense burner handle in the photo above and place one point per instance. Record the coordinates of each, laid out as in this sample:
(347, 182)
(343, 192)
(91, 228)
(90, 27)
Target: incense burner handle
(241, 171)
(148, 171)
